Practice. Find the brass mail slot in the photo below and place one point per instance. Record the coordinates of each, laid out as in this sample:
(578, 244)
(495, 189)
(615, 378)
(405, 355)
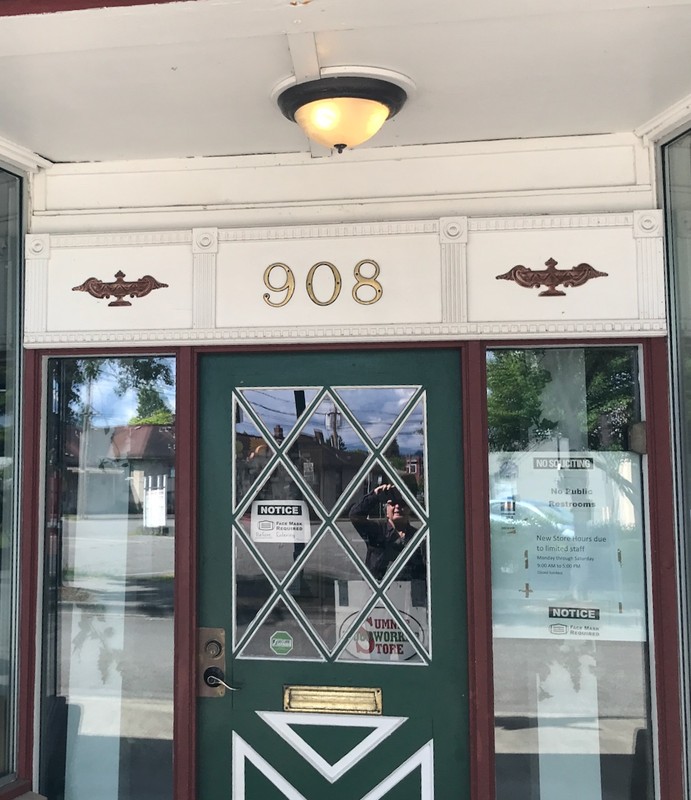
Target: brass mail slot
(332, 700)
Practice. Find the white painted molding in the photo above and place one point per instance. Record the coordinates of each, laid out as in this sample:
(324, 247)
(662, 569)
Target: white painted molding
(648, 224)
(582, 329)
(37, 255)
(14, 155)
(37, 246)
(446, 267)
(205, 251)
(117, 239)
(453, 235)
(545, 176)
(648, 230)
(355, 229)
(670, 121)
(549, 222)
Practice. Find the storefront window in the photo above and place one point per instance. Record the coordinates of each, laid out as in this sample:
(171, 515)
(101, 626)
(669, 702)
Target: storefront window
(107, 714)
(571, 679)
(677, 167)
(10, 203)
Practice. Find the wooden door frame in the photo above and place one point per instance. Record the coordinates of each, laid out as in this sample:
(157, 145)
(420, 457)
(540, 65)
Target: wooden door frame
(663, 555)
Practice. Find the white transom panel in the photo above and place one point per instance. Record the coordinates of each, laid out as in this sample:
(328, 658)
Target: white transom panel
(433, 279)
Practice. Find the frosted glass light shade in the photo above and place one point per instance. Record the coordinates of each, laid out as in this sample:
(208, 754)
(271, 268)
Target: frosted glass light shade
(341, 121)
(341, 111)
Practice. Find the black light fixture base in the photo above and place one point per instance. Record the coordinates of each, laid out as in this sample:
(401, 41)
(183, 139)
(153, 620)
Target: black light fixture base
(298, 95)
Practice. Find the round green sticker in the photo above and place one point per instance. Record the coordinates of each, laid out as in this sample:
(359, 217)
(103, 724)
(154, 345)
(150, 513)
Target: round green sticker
(281, 643)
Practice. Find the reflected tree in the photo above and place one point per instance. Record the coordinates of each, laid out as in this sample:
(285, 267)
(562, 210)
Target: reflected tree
(516, 381)
(527, 403)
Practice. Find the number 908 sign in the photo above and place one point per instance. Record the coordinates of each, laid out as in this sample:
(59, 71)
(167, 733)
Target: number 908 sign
(366, 289)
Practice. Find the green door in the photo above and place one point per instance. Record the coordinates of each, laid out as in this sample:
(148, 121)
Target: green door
(331, 574)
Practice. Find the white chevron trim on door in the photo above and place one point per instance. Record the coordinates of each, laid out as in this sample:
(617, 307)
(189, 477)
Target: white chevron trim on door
(242, 752)
(382, 728)
(424, 758)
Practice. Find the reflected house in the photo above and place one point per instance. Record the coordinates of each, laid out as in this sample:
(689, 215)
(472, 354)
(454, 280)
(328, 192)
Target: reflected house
(119, 464)
(415, 465)
(325, 466)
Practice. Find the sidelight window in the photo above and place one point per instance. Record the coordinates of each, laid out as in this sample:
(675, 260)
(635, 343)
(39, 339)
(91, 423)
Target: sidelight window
(571, 679)
(107, 708)
(10, 222)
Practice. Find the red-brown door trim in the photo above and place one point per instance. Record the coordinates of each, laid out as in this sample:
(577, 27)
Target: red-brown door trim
(16, 8)
(185, 726)
(472, 354)
(478, 571)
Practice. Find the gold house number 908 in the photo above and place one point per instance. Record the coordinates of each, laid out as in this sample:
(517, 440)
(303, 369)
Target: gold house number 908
(367, 289)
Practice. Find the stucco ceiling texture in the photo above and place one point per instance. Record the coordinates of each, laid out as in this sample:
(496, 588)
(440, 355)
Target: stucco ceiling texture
(195, 78)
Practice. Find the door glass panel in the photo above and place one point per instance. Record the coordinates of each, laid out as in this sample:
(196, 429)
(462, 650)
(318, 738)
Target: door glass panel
(317, 586)
(376, 408)
(332, 514)
(384, 637)
(107, 711)
(278, 409)
(252, 587)
(252, 453)
(571, 680)
(280, 635)
(367, 525)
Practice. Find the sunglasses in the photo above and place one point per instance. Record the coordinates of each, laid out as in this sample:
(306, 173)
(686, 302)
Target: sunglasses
(398, 503)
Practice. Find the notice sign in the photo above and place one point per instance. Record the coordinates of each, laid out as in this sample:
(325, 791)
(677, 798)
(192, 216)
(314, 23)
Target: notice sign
(567, 545)
(379, 636)
(280, 521)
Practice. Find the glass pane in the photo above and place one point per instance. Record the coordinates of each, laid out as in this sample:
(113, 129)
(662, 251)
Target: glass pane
(281, 636)
(319, 585)
(10, 202)
(333, 520)
(677, 166)
(107, 714)
(376, 408)
(278, 409)
(380, 637)
(568, 583)
(252, 588)
(328, 453)
(380, 521)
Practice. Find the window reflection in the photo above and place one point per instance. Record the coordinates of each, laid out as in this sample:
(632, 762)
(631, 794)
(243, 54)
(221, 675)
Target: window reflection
(313, 471)
(10, 200)
(107, 717)
(568, 583)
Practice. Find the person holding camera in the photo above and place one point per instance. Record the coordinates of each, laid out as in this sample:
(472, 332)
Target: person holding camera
(386, 538)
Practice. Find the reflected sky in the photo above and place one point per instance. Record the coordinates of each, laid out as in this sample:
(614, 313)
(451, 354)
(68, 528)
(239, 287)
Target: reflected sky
(375, 408)
(101, 393)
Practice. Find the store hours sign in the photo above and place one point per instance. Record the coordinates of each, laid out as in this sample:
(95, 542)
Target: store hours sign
(567, 545)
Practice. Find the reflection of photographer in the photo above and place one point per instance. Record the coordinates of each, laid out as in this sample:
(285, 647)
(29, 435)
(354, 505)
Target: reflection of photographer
(386, 538)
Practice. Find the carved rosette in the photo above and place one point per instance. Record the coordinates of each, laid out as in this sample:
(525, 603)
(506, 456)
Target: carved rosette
(120, 288)
(551, 277)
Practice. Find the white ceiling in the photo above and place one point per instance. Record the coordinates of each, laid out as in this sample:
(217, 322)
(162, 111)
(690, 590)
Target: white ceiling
(195, 78)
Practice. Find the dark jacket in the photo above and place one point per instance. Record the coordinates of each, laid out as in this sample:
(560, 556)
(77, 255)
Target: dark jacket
(384, 543)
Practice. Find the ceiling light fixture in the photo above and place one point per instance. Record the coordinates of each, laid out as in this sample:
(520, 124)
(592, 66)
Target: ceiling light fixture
(341, 111)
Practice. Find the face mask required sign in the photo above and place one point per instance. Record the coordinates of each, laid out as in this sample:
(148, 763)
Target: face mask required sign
(567, 545)
(280, 521)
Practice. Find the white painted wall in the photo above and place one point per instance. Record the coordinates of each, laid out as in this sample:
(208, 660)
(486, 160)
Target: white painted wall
(538, 176)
